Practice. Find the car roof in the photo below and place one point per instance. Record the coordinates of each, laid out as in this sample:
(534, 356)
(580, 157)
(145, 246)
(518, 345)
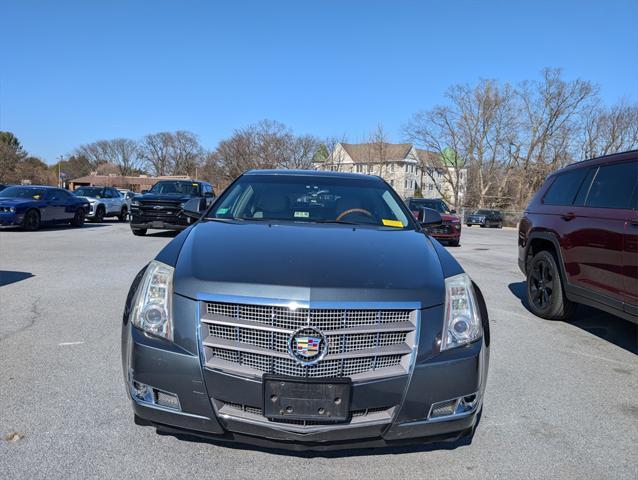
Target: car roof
(312, 173)
(603, 159)
(46, 187)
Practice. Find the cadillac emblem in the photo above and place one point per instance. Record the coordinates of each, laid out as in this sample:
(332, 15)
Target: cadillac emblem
(307, 345)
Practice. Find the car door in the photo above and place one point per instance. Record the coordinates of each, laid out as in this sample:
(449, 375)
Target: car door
(116, 201)
(594, 231)
(54, 210)
(107, 199)
(630, 258)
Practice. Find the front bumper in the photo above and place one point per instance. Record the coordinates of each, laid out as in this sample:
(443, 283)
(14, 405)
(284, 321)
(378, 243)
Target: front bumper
(179, 222)
(11, 218)
(471, 221)
(205, 393)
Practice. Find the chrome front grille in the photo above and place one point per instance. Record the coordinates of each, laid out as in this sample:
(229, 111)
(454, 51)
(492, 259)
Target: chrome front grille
(253, 339)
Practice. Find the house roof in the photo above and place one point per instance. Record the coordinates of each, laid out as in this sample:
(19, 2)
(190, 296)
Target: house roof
(427, 157)
(376, 152)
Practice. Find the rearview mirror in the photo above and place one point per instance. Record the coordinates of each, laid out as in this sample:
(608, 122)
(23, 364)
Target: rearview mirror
(429, 217)
(195, 207)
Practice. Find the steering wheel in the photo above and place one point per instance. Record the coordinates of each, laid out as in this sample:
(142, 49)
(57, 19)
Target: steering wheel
(353, 210)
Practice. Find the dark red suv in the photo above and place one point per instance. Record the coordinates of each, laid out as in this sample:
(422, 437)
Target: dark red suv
(578, 239)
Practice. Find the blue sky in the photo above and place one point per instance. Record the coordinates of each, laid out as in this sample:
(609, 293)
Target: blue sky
(76, 72)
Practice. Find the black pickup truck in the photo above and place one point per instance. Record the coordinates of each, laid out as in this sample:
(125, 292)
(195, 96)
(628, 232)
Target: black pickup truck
(162, 207)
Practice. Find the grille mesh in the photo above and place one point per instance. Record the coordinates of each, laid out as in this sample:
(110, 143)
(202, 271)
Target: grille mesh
(323, 319)
(287, 366)
(258, 411)
(326, 320)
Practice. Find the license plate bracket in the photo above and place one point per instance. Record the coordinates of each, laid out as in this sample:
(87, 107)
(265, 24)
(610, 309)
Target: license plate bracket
(313, 399)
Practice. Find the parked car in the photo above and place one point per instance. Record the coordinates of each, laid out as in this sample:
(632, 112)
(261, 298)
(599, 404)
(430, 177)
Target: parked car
(32, 206)
(450, 229)
(161, 206)
(485, 218)
(578, 239)
(105, 202)
(306, 310)
(128, 196)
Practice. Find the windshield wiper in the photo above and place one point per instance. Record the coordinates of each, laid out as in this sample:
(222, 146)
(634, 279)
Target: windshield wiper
(342, 222)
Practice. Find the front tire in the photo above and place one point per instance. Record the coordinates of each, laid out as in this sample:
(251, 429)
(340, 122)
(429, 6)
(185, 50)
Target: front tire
(78, 219)
(99, 214)
(545, 293)
(31, 220)
(123, 214)
(140, 232)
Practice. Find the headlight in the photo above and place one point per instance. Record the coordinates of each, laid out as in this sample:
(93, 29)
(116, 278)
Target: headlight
(462, 323)
(181, 205)
(12, 209)
(135, 203)
(152, 307)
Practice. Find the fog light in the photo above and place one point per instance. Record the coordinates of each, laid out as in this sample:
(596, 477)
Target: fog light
(142, 392)
(166, 399)
(443, 409)
(454, 407)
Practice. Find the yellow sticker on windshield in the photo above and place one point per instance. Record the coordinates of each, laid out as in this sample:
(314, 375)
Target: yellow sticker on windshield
(36, 197)
(392, 223)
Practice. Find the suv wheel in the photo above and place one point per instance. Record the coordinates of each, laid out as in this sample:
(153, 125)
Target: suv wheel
(545, 293)
(140, 232)
(123, 214)
(99, 214)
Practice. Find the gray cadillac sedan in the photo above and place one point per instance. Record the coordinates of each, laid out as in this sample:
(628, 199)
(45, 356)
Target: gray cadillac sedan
(306, 310)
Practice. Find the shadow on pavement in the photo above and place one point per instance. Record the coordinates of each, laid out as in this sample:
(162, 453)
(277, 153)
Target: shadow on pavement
(621, 333)
(8, 277)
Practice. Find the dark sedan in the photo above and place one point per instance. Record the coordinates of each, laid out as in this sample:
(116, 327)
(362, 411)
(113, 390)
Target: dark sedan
(306, 310)
(32, 206)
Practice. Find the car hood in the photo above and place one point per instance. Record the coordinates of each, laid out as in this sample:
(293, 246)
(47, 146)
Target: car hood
(449, 218)
(153, 197)
(310, 263)
(88, 199)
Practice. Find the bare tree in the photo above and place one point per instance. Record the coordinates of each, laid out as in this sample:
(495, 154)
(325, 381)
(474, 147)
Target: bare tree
(186, 153)
(609, 130)
(121, 152)
(125, 155)
(155, 152)
(440, 131)
(549, 112)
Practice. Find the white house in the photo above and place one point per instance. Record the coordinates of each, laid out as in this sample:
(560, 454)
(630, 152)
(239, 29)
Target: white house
(400, 164)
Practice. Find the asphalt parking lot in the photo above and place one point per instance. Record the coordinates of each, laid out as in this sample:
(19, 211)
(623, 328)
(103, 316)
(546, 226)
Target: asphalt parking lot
(561, 401)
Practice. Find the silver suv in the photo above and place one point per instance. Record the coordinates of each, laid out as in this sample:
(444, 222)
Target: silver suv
(105, 202)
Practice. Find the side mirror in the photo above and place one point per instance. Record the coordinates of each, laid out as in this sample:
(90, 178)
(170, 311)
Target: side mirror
(452, 211)
(430, 217)
(195, 207)
(144, 191)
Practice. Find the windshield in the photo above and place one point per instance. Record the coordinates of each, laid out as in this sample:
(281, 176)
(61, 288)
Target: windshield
(434, 204)
(481, 212)
(310, 199)
(23, 192)
(95, 192)
(176, 188)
